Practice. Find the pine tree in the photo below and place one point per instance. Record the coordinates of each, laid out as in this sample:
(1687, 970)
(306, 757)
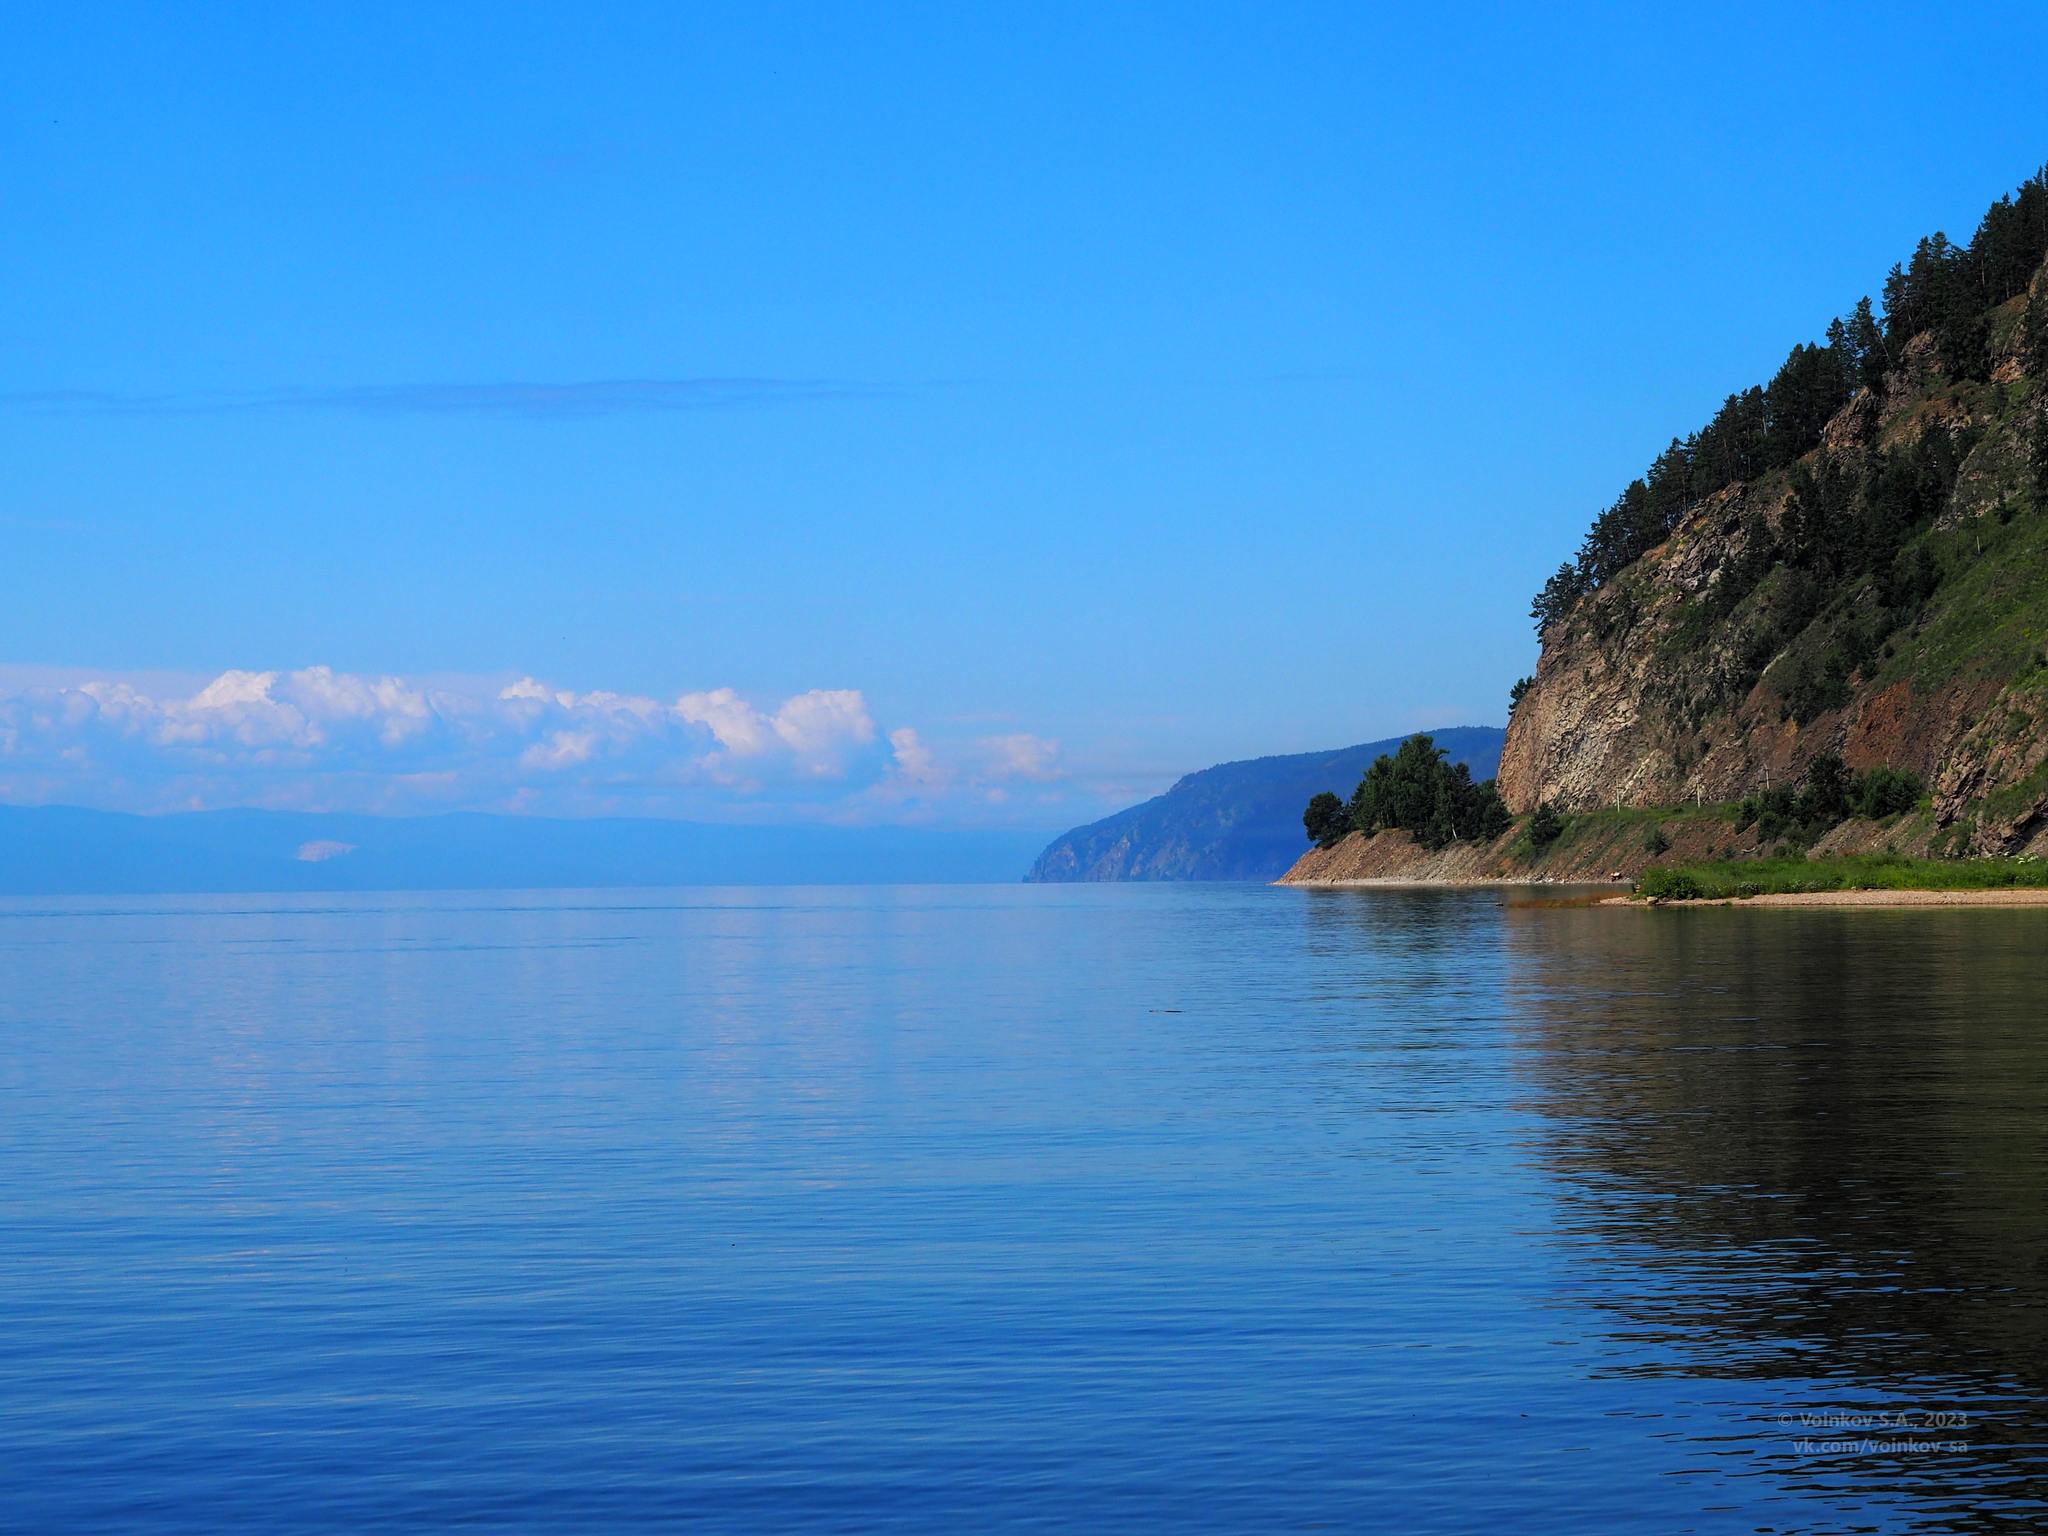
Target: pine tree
(1416, 790)
(1946, 292)
(1866, 341)
(1326, 820)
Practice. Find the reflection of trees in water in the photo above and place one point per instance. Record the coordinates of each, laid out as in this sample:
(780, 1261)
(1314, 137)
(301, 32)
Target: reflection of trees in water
(1807, 1144)
(1375, 927)
(1406, 974)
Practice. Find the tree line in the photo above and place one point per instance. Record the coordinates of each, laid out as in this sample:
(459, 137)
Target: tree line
(1946, 290)
(1414, 790)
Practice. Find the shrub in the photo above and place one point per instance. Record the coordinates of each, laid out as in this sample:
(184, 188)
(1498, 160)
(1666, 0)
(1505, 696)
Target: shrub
(1829, 795)
(1545, 827)
(1655, 842)
(1807, 693)
(1886, 792)
(1670, 885)
(1825, 799)
(1494, 816)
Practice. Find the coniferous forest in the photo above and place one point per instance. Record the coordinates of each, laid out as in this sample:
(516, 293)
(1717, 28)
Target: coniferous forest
(1415, 790)
(1945, 290)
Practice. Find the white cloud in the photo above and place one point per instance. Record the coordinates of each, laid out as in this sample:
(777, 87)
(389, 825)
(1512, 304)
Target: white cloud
(562, 749)
(526, 688)
(321, 739)
(913, 759)
(1020, 757)
(817, 729)
(395, 710)
(733, 723)
(979, 768)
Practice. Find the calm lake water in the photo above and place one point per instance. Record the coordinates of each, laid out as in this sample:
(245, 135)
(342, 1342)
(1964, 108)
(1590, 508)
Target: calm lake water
(1161, 1208)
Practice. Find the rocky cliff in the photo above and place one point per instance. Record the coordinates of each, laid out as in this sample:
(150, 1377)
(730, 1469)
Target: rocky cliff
(1883, 597)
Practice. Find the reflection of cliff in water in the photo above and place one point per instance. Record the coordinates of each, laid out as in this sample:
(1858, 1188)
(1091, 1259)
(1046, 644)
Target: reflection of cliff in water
(1819, 1141)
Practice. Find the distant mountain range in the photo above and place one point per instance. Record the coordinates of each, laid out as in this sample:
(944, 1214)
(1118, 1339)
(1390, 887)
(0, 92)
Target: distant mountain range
(63, 850)
(1236, 821)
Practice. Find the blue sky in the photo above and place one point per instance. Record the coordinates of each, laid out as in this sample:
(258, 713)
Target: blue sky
(1094, 392)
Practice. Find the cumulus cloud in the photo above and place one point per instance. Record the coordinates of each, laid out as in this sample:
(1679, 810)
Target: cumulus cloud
(325, 740)
(814, 725)
(1020, 757)
(985, 768)
(913, 759)
(286, 716)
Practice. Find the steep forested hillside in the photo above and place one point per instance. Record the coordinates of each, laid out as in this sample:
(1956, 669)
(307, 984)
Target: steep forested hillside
(1850, 559)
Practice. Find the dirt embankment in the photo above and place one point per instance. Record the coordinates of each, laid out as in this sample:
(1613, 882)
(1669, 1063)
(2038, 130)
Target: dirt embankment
(1396, 858)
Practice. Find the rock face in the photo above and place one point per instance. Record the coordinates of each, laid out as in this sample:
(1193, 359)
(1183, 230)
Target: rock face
(1721, 662)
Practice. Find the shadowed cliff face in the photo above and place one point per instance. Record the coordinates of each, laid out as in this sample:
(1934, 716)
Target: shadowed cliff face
(1765, 630)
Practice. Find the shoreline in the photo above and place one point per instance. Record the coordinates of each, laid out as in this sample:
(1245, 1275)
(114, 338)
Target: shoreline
(2010, 896)
(1418, 883)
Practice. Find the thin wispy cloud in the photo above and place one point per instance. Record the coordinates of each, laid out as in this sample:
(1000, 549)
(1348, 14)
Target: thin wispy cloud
(529, 401)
